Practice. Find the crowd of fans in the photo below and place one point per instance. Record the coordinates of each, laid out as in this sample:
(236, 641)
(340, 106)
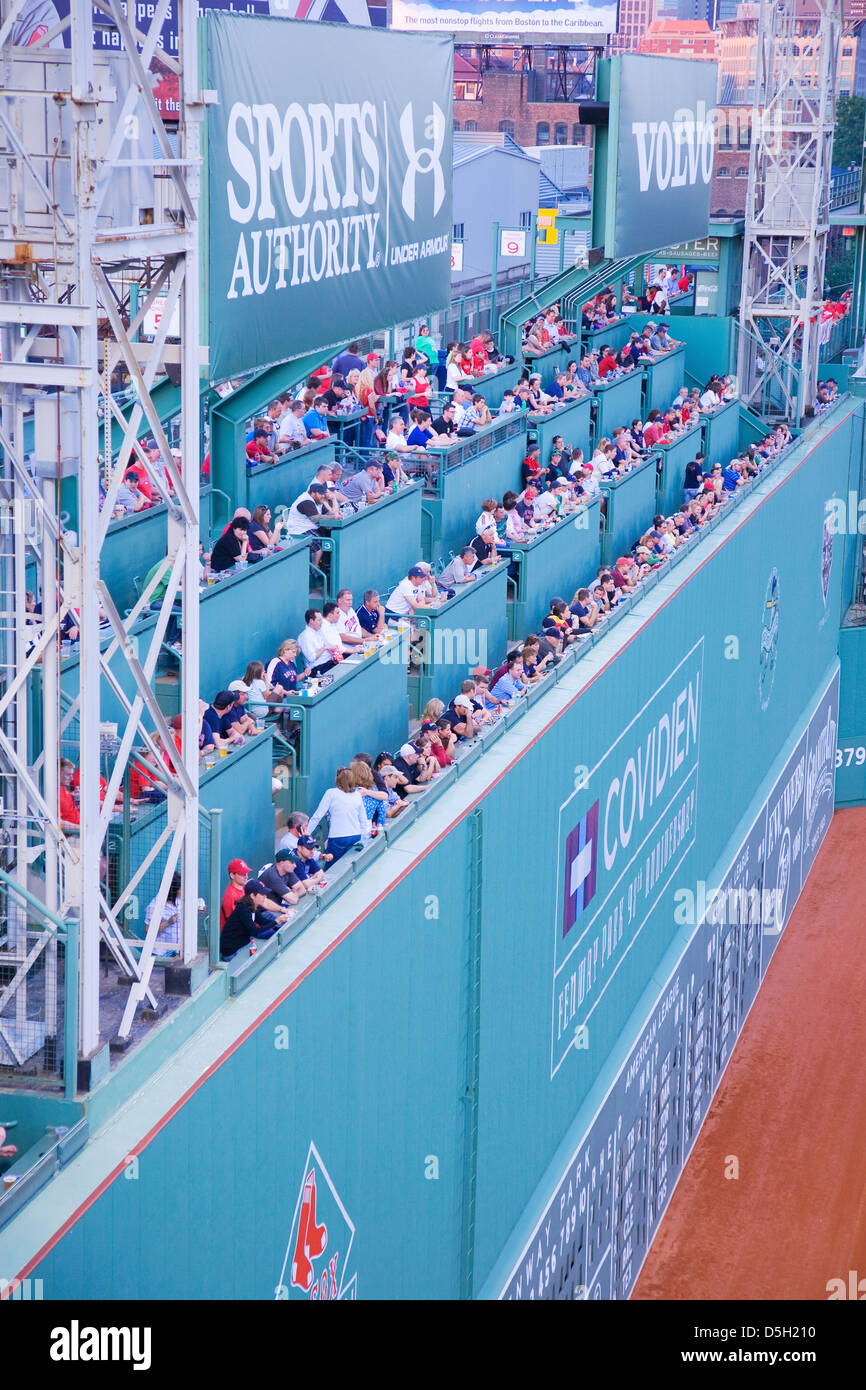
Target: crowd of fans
(425, 402)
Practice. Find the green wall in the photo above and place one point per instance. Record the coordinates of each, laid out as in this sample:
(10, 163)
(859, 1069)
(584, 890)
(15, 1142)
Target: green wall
(429, 1028)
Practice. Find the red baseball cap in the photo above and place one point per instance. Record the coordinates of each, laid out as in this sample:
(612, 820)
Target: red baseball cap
(530, 493)
(372, 357)
(237, 866)
(481, 671)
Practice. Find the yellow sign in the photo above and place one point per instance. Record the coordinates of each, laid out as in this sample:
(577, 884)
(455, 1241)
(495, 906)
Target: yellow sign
(546, 224)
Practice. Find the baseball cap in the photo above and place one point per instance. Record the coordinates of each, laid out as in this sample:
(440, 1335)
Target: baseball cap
(416, 569)
(254, 885)
(239, 685)
(317, 487)
(530, 493)
(237, 866)
(282, 855)
(481, 671)
(372, 357)
(386, 770)
(407, 750)
(462, 700)
(307, 842)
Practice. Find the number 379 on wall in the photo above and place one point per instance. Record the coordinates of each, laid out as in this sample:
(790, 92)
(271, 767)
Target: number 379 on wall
(846, 756)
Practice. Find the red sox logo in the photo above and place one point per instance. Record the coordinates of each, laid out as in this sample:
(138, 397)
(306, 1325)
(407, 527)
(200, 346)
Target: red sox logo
(320, 1240)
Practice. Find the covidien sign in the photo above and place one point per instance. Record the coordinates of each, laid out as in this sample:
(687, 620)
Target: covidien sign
(663, 137)
(330, 210)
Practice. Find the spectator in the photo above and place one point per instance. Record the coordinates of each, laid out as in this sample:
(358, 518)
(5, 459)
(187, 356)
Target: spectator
(239, 872)
(293, 431)
(348, 626)
(256, 689)
(415, 766)
(225, 731)
(365, 486)
(444, 427)
(485, 547)
(257, 449)
(510, 686)
(348, 361)
(70, 817)
(408, 595)
(371, 614)
(459, 569)
(306, 859)
(315, 421)
(251, 918)
(259, 536)
(168, 932)
(559, 624)
(303, 517)
(421, 435)
(282, 674)
(331, 630)
(344, 807)
(281, 883)
(373, 792)
(231, 547)
(238, 716)
(318, 656)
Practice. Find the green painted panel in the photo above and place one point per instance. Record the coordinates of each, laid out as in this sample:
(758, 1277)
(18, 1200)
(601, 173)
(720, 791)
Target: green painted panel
(363, 710)
(469, 630)
(556, 359)
(552, 565)
(493, 385)
(487, 465)
(572, 420)
(722, 434)
(664, 377)
(245, 615)
(673, 470)
(375, 547)
(273, 484)
(630, 509)
(617, 402)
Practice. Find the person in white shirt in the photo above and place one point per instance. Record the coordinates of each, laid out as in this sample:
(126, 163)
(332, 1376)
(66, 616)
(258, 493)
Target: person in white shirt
(347, 819)
(396, 433)
(465, 415)
(349, 628)
(330, 630)
(408, 595)
(168, 932)
(316, 652)
(305, 511)
(292, 427)
(603, 463)
(590, 483)
(486, 520)
(709, 399)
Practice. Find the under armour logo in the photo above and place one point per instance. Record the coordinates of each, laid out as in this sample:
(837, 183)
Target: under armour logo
(423, 161)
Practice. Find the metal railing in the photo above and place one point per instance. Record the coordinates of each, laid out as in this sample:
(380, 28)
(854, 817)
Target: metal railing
(844, 189)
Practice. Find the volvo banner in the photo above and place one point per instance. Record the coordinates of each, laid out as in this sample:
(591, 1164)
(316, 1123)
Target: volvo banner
(663, 138)
(329, 186)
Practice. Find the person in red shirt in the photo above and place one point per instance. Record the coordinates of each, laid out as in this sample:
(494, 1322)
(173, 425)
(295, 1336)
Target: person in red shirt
(479, 355)
(419, 397)
(653, 429)
(258, 450)
(70, 817)
(239, 872)
(684, 283)
(608, 363)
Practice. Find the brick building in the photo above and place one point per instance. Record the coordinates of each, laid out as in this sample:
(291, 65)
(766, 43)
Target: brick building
(506, 104)
(680, 38)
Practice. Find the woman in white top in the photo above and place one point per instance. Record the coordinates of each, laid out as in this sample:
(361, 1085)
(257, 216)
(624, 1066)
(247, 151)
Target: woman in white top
(344, 807)
(454, 368)
(487, 520)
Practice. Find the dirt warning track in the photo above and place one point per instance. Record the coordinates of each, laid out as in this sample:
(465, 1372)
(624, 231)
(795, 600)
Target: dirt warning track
(791, 1110)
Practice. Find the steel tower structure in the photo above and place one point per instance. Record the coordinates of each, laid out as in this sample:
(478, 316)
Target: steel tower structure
(85, 150)
(788, 206)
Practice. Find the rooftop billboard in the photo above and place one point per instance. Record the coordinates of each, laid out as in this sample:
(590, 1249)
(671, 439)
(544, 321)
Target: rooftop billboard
(329, 188)
(526, 19)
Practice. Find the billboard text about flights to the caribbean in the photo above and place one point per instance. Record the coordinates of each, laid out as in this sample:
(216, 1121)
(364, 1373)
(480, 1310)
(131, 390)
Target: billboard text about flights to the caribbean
(329, 185)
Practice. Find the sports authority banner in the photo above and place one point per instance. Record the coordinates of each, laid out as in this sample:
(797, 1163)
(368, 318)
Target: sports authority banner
(662, 136)
(517, 17)
(329, 186)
